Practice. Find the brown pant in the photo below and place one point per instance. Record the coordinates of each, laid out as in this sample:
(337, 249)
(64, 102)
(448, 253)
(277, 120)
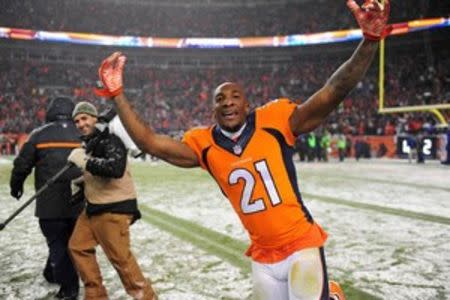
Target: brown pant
(111, 231)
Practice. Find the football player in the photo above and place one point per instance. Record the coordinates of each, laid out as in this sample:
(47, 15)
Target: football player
(249, 154)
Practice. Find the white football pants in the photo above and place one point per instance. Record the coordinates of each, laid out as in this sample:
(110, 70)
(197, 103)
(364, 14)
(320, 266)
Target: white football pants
(301, 276)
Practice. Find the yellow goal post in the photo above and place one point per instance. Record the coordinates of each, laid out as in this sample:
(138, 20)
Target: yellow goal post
(433, 108)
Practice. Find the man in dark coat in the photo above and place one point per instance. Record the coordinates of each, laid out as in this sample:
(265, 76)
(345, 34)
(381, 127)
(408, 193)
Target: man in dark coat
(47, 150)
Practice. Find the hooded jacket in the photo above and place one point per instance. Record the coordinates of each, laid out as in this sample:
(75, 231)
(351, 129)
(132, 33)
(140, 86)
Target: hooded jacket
(46, 150)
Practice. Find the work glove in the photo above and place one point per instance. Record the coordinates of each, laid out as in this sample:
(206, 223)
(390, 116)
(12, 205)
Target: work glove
(372, 18)
(79, 158)
(111, 76)
(16, 190)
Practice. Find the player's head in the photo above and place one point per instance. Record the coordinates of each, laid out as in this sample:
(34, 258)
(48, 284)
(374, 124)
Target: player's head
(230, 106)
(85, 117)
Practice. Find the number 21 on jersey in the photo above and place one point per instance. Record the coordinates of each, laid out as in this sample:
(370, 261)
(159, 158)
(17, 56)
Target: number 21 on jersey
(248, 204)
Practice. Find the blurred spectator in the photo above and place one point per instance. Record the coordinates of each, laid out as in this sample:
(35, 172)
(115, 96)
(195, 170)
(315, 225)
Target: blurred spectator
(412, 144)
(341, 146)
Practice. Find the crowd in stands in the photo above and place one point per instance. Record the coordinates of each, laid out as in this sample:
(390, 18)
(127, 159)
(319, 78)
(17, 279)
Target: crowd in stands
(126, 18)
(176, 99)
(173, 99)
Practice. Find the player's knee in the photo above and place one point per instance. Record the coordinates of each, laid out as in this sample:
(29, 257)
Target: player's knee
(306, 278)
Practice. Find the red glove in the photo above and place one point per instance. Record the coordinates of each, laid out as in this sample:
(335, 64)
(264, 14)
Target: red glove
(110, 73)
(372, 18)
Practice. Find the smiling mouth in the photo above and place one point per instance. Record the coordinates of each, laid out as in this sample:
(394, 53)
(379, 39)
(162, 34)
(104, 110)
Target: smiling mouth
(85, 130)
(229, 115)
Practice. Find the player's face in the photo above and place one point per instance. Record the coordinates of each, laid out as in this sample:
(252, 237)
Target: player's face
(85, 123)
(230, 106)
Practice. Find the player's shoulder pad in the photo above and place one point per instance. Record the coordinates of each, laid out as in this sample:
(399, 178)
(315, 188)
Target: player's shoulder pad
(198, 138)
(199, 130)
(201, 135)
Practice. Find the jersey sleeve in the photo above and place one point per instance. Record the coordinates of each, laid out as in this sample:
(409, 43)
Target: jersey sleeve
(275, 114)
(197, 140)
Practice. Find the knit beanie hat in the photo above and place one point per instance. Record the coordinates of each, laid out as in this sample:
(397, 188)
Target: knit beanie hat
(84, 107)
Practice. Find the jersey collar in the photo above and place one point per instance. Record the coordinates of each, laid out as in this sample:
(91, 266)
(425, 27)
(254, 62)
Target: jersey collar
(234, 136)
(236, 147)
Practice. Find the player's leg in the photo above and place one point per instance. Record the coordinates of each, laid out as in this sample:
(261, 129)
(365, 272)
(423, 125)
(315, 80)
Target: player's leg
(266, 285)
(112, 232)
(308, 275)
(82, 246)
(57, 233)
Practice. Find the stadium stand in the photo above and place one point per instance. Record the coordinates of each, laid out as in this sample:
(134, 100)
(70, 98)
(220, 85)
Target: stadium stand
(172, 89)
(182, 95)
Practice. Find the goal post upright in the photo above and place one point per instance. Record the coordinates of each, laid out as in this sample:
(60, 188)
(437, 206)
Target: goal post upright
(433, 108)
(381, 78)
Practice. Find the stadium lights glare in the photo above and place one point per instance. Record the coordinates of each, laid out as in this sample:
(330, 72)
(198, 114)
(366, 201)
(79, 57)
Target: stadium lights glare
(213, 43)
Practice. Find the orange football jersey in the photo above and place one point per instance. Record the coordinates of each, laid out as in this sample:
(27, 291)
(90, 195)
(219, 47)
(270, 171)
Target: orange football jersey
(257, 174)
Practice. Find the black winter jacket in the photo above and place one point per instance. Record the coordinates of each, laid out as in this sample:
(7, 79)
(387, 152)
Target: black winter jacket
(108, 154)
(47, 150)
(108, 159)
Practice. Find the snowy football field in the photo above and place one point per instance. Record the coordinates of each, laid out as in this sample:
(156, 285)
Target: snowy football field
(388, 223)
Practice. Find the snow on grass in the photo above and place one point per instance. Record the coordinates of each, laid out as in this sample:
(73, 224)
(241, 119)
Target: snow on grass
(381, 253)
(389, 256)
(178, 269)
(426, 191)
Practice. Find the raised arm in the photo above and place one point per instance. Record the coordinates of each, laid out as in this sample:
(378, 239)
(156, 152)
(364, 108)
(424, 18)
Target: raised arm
(162, 146)
(372, 18)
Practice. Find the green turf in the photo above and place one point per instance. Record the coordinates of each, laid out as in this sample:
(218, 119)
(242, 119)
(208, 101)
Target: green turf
(211, 241)
(167, 174)
(382, 209)
(5, 175)
(322, 174)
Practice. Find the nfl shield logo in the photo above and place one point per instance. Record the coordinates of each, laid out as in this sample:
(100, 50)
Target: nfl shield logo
(237, 149)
